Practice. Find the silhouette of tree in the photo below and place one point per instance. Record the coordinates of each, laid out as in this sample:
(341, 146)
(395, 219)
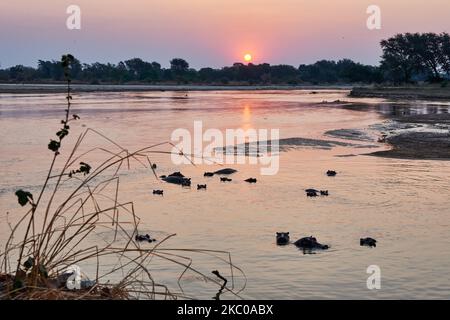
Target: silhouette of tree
(179, 66)
(398, 60)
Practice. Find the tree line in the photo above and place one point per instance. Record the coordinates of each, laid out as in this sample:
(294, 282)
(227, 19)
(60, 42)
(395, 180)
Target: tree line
(406, 58)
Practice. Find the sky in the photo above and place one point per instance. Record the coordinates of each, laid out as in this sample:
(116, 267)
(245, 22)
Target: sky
(212, 33)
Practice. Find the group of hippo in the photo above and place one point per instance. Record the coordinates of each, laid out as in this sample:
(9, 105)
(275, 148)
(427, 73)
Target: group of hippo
(180, 179)
(282, 238)
(311, 243)
(314, 193)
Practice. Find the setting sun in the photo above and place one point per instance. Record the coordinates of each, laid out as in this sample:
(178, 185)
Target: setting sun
(248, 57)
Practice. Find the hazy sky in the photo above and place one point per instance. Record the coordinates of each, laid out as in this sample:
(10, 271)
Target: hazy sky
(209, 32)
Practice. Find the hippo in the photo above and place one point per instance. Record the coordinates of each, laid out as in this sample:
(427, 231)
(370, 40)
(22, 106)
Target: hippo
(208, 174)
(225, 171)
(186, 182)
(201, 186)
(331, 173)
(225, 179)
(177, 178)
(176, 174)
(312, 192)
(250, 180)
(283, 238)
(310, 243)
(141, 238)
(324, 192)
(370, 242)
(160, 192)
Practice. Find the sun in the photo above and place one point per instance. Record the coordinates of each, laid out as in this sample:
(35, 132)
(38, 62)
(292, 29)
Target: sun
(248, 57)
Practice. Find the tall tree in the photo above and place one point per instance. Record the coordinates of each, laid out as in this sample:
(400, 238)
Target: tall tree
(445, 52)
(398, 60)
(179, 66)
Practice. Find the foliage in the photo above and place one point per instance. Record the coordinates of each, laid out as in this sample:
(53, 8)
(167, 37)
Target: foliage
(415, 54)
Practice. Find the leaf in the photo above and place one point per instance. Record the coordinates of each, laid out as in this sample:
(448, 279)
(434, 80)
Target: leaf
(62, 133)
(29, 263)
(54, 145)
(85, 168)
(23, 197)
(66, 60)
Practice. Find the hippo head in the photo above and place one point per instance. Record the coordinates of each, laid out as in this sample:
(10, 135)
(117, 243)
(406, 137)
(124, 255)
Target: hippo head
(282, 238)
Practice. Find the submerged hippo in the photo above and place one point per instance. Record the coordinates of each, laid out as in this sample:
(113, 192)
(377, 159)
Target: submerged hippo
(315, 193)
(225, 179)
(283, 238)
(201, 186)
(140, 238)
(159, 192)
(177, 178)
(310, 243)
(250, 180)
(208, 174)
(312, 192)
(331, 173)
(225, 171)
(176, 174)
(370, 242)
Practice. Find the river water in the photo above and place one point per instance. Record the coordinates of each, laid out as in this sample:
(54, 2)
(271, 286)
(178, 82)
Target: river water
(404, 204)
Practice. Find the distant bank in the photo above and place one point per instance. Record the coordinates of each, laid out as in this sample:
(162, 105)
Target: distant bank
(427, 92)
(60, 88)
(405, 93)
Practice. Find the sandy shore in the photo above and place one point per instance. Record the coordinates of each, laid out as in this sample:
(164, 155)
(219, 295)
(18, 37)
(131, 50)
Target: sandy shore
(404, 93)
(429, 140)
(61, 88)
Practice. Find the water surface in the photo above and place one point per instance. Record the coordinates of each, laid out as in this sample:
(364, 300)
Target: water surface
(404, 204)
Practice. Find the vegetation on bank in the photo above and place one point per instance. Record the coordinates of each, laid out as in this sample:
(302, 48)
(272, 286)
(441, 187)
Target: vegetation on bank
(406, 58)
(411, 92)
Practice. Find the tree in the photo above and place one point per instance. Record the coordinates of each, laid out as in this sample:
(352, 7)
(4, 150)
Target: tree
(22, 73)
(179, 66)
(444, 58)
(425, 47)
(398, 60)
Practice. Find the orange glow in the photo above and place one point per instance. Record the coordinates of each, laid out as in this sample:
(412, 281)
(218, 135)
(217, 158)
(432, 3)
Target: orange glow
(248, 57)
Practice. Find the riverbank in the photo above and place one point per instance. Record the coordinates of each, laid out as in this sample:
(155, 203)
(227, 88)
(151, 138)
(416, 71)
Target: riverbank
(404, 93)
(419, 137)
(61, 88)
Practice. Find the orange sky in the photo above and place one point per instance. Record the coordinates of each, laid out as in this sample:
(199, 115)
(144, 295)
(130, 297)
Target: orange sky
(210, 32)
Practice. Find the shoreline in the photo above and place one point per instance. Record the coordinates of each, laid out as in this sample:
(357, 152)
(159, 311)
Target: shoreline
(30, 88)
(432, 144)
(402, 93)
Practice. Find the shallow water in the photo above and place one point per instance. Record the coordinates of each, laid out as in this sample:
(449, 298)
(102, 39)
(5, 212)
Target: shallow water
(404, 204)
